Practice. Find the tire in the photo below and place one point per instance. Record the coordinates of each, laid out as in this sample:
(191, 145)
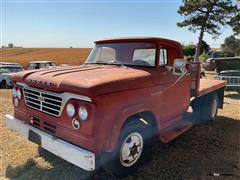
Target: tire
(197, 105)
(205, 109)
(210, 107)
(134, 139)
(3, 84)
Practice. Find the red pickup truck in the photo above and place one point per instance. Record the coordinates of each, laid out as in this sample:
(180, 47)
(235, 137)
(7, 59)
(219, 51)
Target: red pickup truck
(128, 91)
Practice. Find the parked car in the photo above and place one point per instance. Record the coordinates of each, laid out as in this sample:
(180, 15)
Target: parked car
(40, 64)
(129, 91)
(209, 65)
(6, 71)
(229, 70)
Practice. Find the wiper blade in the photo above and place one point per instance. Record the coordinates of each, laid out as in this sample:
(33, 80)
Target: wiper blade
(117, 62)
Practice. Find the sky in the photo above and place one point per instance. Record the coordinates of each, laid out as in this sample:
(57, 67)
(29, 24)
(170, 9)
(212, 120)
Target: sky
(76, 23)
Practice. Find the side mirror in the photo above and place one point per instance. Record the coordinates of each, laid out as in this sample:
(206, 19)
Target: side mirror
(179, 67)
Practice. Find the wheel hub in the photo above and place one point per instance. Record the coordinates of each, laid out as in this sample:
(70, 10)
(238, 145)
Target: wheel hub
(131, 149)
(214, 108)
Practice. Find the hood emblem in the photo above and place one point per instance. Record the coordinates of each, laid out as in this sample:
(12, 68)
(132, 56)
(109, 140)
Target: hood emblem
(41, 82)
(40, 98)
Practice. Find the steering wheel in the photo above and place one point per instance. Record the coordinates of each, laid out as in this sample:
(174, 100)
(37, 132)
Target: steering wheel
(141, 62)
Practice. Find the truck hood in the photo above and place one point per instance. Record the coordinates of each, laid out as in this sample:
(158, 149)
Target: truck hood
(90, 80)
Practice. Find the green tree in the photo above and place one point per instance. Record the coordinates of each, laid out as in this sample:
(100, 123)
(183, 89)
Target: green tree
(231, 46)
(203, 57)
(235, 23)
(189, 50)
(207, 16)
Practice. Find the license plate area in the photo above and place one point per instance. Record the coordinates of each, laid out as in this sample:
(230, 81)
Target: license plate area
(34, 137)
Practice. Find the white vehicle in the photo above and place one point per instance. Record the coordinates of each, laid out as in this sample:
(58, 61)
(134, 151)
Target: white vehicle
(40, 64)
(6, 70)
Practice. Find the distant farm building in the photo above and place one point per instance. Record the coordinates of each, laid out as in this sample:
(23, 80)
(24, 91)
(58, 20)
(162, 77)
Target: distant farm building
(10, 45)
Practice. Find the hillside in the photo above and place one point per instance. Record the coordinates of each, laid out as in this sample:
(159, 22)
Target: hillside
(59, 55)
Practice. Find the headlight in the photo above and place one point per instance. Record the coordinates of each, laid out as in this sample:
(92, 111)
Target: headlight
(14, 92)
(19, 95)
(83, 113)
(70, 110)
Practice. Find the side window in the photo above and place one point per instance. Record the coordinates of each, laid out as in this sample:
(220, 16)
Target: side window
(47, 64)
(31, 66)
(42, 65)
(163, 57)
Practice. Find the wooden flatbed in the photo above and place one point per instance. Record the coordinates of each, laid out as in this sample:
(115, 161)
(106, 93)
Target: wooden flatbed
(208, 85)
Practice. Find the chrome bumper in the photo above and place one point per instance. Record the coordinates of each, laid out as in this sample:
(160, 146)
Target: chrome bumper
(73, 154)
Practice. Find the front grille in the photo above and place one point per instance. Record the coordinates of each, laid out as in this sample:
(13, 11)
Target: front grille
(231, 79)
(44, 101)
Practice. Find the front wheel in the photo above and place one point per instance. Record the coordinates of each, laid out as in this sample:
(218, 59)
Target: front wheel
(129, 153)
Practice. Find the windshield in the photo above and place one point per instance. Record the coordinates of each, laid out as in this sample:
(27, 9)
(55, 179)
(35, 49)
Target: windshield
(133, 54)
(10, 69)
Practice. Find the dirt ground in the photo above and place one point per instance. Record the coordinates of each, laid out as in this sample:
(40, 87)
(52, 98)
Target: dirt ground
(197, 154)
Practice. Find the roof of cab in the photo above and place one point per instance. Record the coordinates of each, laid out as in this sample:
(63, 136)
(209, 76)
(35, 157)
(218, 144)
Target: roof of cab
(136, 39)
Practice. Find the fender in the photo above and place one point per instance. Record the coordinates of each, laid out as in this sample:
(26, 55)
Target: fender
(121, 119)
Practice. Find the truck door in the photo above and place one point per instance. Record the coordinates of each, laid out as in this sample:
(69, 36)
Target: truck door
(171, 93)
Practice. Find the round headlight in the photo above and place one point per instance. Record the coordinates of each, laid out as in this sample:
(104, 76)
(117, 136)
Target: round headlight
(14, 92)
(83, 113)
(76, 124)
(19, 95)
(70, 110)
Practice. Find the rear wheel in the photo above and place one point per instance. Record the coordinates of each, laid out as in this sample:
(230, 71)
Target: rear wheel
(205, 108)
(130, 151)
(210, 107)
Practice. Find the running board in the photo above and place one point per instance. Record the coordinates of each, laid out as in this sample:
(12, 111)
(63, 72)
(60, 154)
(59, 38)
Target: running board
(171, 132)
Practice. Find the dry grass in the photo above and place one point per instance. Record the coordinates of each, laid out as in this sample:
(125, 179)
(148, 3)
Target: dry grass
(59, 55)
(208, 148)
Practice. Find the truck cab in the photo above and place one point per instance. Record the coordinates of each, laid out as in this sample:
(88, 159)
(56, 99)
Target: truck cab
(128, 91)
